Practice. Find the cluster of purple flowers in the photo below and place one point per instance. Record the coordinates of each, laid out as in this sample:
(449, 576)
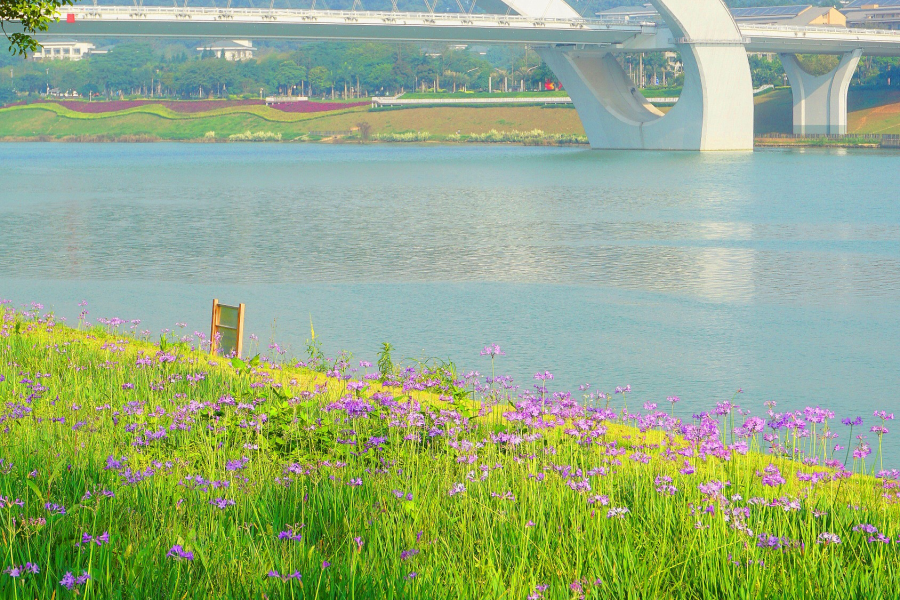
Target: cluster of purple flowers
(457, 489)
(275, 575)
(28, 568)
(407, 554)
(237, 465)
(828, 538)
(55, 509)
(772, 542)
(290, 535)
(617, 513)
(771, 476)
(69, 581)
(400, 495)
(222, 503)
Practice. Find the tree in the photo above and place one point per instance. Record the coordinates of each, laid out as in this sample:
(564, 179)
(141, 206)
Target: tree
(286, 75)
(319, 78)
(34, 16)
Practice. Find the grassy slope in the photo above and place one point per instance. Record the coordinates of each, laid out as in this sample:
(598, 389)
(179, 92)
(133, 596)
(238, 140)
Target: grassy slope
(438, 121)
(871, 111)
(507, 533)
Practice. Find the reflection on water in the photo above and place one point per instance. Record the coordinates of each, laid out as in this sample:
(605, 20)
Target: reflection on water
(778, 272)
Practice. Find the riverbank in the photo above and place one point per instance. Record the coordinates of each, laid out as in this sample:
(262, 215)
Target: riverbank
(871, 112)
(141, 465)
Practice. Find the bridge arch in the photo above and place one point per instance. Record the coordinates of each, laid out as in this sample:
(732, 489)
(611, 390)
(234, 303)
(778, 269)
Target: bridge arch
(715, 111)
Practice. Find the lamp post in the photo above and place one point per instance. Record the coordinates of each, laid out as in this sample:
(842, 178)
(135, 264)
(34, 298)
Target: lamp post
(466, 87)
(527, 71)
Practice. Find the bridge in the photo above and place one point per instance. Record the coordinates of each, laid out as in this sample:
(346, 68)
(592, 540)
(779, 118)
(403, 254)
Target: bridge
(714, 112)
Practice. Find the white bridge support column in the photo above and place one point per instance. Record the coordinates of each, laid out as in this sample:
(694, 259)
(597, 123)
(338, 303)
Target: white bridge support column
(820, 101)
(715, 111)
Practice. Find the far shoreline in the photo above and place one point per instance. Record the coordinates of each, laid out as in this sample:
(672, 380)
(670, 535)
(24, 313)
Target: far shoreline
(849, 142)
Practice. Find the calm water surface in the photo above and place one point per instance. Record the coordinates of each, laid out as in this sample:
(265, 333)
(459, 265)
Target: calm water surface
(777, 272)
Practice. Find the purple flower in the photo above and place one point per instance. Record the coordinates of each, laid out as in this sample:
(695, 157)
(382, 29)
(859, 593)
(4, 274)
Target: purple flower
(325, 564)
(492, 350)
(851, 423)
(457, 489)
(67, 581)
(771, 476)
(222, 503)
(177, 552)
(359, 543)
(865, 528)
(290, 535)
(412, 575)
(237, 465)
(407, 554)
(617, 513)
(828, 538)
(862, 451)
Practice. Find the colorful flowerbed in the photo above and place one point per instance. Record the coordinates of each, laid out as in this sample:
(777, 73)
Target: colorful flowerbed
(191, 107)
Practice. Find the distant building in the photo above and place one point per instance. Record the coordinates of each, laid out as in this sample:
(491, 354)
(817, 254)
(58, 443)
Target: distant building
(877, 14)
(230, 49)
(800, 15)
(66, 50)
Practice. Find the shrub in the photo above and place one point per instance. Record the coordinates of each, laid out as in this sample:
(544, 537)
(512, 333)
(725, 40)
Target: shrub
(255, 136)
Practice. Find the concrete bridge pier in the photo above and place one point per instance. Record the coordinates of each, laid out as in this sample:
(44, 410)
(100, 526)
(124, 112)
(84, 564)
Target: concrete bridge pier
(820, 101)
(715, 111)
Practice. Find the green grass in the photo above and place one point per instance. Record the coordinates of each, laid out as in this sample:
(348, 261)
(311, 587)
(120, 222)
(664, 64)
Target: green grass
(647, 92)
(871, 111)
(363, 479)
(158, 110)
(57, 123)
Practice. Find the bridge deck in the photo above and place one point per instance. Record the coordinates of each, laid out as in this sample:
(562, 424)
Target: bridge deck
(620, 35)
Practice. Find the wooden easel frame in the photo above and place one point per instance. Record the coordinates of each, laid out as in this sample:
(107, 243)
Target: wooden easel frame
(216, 326)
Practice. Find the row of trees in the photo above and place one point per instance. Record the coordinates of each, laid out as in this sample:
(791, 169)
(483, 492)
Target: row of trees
(346, 69)
(872, 71)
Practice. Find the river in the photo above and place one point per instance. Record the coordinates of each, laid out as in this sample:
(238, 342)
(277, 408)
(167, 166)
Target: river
(776, 272)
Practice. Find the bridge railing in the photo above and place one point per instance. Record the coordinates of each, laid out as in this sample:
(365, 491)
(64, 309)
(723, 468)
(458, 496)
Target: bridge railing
(136, 11)
(818, 29)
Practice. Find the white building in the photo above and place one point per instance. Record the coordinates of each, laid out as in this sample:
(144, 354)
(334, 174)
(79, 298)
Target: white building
(230, 49)
(65, 50)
